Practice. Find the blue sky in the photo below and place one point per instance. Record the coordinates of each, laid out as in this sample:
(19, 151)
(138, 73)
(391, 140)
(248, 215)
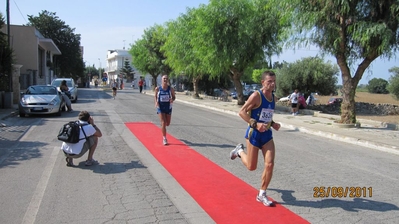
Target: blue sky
(108, 25)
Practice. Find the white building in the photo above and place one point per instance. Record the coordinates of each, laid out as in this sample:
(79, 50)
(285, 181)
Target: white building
(116, 60)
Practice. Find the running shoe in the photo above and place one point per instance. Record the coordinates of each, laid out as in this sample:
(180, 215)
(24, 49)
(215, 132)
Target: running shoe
(234, 153)
(165, 141)
(263, 198)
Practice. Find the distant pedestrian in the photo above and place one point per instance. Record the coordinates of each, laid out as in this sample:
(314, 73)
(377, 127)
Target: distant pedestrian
(141, 83)
(294, 102)
(114, 89)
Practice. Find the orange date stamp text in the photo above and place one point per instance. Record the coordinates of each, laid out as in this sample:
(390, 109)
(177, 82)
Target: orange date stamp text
(342, 192)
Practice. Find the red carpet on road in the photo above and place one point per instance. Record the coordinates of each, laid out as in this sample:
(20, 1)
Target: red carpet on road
(226, 198)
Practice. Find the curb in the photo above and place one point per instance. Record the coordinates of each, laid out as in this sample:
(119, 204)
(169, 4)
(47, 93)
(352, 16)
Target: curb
(11, 114)
(342, 138)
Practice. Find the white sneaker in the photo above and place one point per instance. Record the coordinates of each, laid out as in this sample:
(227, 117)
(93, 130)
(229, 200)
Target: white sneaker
(234, 153)
(263, 198)
(165, 141)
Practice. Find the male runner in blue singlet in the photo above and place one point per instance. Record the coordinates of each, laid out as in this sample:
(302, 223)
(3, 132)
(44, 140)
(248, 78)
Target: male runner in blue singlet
(258, 113)
(164, 97)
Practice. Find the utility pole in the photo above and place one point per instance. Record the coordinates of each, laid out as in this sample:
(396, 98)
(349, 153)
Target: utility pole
(99, 69)
(9, 42)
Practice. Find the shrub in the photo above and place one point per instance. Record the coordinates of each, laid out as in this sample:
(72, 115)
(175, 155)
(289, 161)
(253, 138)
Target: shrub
(394, 85)
(378, 85)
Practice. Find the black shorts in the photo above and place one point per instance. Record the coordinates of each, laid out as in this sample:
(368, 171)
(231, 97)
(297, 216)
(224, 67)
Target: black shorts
(294, 105)
(86, 146)
(114, 88)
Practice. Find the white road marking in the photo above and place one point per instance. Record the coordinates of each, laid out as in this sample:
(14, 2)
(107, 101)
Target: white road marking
(34, 205)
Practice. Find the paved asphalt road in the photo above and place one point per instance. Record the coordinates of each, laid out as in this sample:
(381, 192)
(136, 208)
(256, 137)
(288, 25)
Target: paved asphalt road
(128, 186)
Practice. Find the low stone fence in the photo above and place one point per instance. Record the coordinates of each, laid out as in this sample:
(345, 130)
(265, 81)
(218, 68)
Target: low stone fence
(361, 108)
(225, 97)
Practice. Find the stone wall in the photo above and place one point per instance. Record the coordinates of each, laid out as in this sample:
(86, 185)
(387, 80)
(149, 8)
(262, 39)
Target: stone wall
(361, 109)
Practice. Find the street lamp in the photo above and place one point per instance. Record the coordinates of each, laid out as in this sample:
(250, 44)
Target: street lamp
(99, 69)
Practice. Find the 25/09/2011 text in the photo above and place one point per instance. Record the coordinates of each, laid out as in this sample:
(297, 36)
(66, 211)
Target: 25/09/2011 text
(342, 192)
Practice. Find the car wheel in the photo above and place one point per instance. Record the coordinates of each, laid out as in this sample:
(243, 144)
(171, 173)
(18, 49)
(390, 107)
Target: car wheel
(76, 99)
(21, 114)
(59, 111)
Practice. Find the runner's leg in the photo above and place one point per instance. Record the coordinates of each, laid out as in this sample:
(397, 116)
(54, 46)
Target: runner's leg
(250, 159)
(168, 118)
(268, 151)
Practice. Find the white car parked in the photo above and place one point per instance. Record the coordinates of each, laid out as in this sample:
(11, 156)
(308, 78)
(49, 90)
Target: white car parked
(73, 88)
(284, 99)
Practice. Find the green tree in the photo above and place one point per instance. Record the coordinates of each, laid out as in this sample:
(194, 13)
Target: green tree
(127, 71)
(235, 34)
(6, 60)
(310, 74)
(355, 32)
(92, 70)
(146, 53)
(377, 85)
(70, 62)
(181, 48)
(393, 86)
(143, 60)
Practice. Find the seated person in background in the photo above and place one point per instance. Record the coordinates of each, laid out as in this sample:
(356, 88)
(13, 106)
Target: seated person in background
(66, 94)
(301, 101)
(77, 150)
(310, 100)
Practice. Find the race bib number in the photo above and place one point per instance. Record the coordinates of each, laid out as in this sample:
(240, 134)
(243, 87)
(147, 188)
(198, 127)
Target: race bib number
(266, 115)
(164, 98)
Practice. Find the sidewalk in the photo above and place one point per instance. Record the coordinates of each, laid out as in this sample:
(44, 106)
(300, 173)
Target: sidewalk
(6, 113)
(371, 134)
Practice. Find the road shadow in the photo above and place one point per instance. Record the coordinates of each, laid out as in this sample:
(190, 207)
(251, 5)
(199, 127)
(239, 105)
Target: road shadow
(351, 205)
(224, 146)
(13, 155)
(110, 168)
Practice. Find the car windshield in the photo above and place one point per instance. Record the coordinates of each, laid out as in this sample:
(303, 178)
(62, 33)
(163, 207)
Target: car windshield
(57, 82)
(41, 90)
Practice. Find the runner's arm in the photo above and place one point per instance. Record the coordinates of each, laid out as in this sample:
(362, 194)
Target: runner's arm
(252, 102)
(173, 94)
(156, 97)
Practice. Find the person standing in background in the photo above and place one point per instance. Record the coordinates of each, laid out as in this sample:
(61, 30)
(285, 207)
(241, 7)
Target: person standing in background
(141, 84)
(294, 102)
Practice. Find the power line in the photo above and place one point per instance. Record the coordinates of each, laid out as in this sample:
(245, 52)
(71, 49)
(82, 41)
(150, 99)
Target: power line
(20, 11)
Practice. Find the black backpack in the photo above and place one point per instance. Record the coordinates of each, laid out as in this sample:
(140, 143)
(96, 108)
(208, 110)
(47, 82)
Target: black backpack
(70, 132)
